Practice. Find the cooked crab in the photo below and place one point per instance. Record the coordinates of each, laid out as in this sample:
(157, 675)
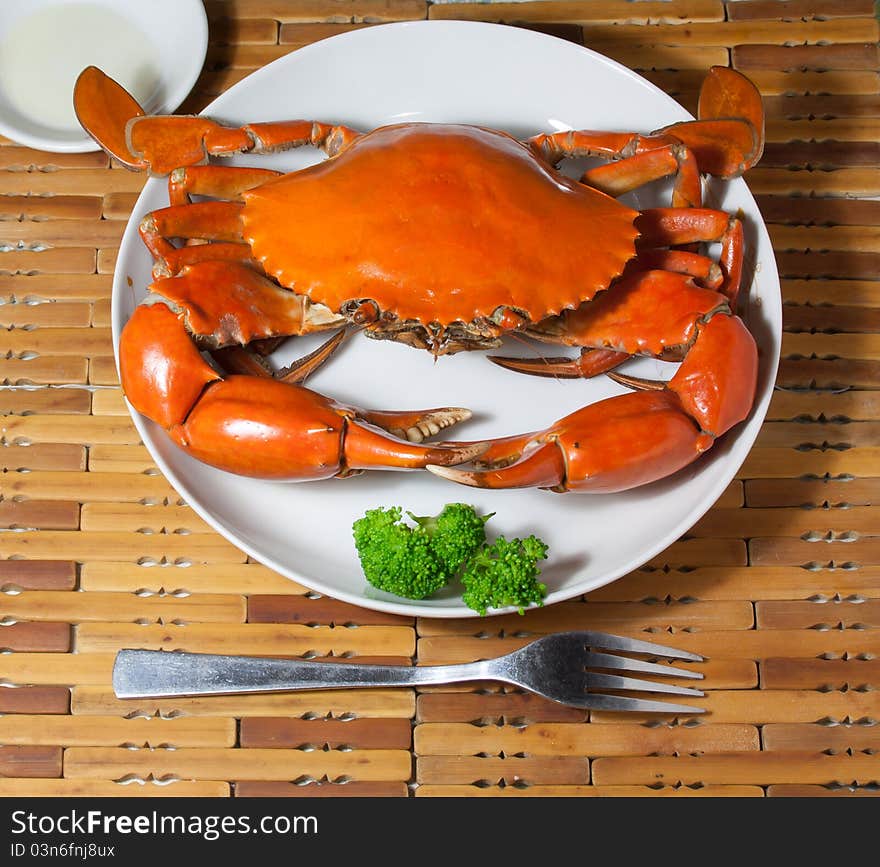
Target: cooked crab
(441, 236)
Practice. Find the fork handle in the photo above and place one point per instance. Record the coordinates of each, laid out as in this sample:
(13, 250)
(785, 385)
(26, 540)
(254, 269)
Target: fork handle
(155, 673)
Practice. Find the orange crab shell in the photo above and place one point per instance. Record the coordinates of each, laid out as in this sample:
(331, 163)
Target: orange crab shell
(439, 223)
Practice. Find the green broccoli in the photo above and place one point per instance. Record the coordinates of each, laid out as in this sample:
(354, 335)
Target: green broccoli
(505, 573)
(456, 533)
(415, 562)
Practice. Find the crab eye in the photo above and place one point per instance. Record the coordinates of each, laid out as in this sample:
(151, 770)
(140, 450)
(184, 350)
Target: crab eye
(362, 311)
(509, 318)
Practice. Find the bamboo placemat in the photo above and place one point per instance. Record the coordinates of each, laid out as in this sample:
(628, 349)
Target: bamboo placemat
(779, 585)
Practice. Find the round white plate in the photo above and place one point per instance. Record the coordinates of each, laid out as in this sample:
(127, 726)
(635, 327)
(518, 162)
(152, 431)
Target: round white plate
(155, 49)
(506, 78)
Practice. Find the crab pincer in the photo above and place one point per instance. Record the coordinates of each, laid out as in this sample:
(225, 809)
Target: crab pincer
(632, 439)
(260, 426)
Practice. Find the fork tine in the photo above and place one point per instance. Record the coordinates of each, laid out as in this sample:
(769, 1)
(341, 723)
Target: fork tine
(626, 663)
(621, 702)
(615, 681)
(633, 645)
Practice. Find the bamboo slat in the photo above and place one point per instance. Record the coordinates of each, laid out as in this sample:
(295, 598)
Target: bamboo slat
(529, 791)
(106, 763)
(833, 614)
(65, 484)
(751, 582)
(63, 788)
(235, 31)
(30, 761)
(46, 370)
(793, 9)
(513, 770)
(736, 769)
(35, 637)
(49, 207)
(101, 607)
(142, 517)
(601, 616)
(24, 159)
(56, 314)
(320, 789)
(553, 739)
(854, 672)
(96, 698)
(113, 731)
(22, 457)
(60, 233)
(253, 638)
(35, 700)
(862, 55)
(112, 545)
(265, 732)
(608, 11)
(289, 608)
(55, 669)
(54, 286)
(22, 401)
(324, 10)
(800, 523)
(784, 790)
(733, 33)
(245, 578)
(825, 739)
(19, 575)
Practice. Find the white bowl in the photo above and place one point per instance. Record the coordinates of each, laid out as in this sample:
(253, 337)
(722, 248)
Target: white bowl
(156, 50)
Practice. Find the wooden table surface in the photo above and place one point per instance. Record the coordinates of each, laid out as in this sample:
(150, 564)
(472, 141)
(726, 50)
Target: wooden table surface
(779, 584)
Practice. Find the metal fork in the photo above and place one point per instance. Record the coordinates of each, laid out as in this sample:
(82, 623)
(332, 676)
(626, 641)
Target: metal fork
(571, 668)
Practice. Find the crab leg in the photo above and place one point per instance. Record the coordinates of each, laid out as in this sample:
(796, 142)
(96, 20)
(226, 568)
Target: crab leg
(591, 362)
(227, 304)
(159, 144)
(412, 425)
(609, 446)
(209, 221)
(633, 439)
(621, 177)
(614, 324)
(274, 430)
(725, 141)
(175, 259)
(661, 227)
(219, 182)
(641, 159)
(728, 137)
(695, 265)
(250, 425)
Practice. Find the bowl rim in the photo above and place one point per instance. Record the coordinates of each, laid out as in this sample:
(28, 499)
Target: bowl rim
(178, 87)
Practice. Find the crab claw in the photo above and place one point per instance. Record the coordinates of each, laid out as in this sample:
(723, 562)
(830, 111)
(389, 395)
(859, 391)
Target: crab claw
(104, 108)
(613, 445)
(632, 439)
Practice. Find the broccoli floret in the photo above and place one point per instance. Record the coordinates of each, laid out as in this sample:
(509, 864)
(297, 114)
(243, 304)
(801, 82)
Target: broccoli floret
(456, 533)
(505, 573)
(415, 562)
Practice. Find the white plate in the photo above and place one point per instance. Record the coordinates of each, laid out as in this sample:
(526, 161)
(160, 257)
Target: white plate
(497, 76)
(155, 49)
